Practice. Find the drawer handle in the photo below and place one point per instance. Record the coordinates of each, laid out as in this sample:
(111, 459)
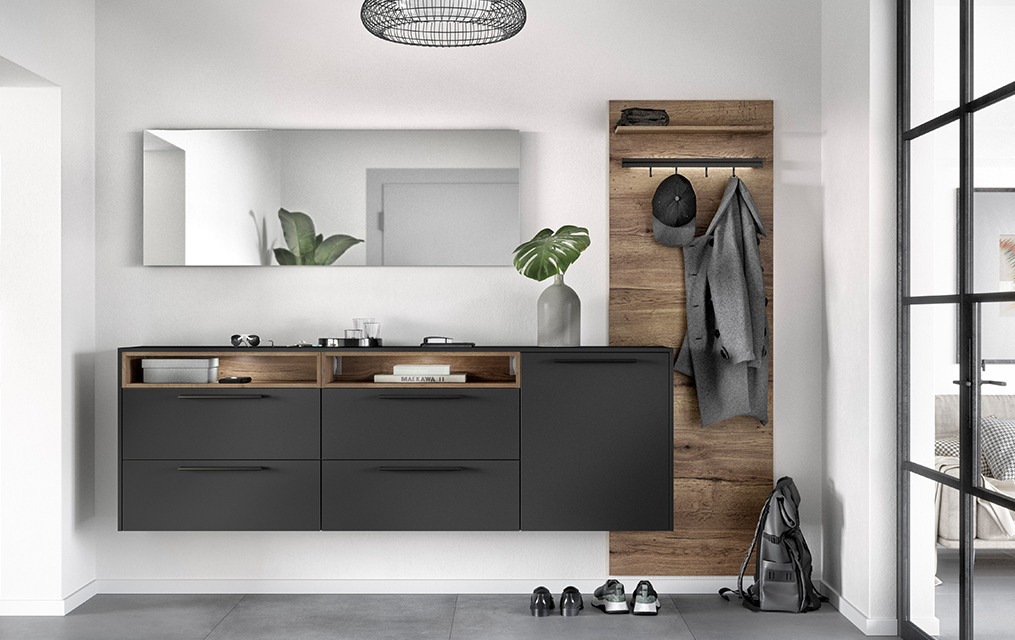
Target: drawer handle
(419, 397)
(222, 468)
(421, 468)
(590, 361)
(208, 397)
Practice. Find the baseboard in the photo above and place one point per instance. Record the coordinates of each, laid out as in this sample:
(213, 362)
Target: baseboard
(869, 626)
(687, 585)
(59, 607)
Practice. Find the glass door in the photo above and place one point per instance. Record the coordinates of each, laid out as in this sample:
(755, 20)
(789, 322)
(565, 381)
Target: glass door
(956, 383)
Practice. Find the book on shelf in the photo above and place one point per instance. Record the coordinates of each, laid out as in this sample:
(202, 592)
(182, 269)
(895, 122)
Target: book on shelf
(391, 377)
(422, 369)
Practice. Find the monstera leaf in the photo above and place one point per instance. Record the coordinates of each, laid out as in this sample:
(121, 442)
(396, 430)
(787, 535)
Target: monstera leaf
(306, 246)
(550, 253)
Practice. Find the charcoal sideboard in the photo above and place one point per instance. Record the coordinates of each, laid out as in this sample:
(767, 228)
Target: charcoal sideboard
(564, 439)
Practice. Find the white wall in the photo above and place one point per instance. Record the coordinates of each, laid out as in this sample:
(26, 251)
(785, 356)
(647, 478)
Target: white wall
(55, 40)
(30, 426)
(310, 64)
(858, 178)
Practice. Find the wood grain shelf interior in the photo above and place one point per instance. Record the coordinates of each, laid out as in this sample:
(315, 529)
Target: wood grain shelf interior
(723, 473)
(267, 369)
(693, 128)
(483, 369)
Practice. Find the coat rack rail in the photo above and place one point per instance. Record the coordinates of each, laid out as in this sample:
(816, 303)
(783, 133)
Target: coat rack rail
(657, 163)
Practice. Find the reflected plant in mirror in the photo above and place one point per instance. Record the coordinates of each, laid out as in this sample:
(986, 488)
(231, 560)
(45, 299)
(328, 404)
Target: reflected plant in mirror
(306, 246)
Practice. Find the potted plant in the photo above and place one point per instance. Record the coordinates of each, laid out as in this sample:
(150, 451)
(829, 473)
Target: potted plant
(558, 310)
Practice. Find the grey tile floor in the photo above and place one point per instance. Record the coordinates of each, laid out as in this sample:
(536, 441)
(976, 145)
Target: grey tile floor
(383, 617)
(993, 592)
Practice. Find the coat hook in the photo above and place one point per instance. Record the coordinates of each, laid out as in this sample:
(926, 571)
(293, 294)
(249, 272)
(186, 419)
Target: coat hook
(650, 172)
(676, 170)
(734, 171)
(706, 172)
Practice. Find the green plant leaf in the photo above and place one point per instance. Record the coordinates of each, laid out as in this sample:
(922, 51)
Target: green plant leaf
(550, 253)
(285, 256)
(299, 234)
(331, 249)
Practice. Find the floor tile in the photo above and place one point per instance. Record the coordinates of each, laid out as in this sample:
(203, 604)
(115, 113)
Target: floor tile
(127, 617)
(507, 617)
(709, 617)
(338, 617)
(993, 591)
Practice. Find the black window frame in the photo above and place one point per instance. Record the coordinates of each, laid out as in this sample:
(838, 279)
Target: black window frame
(967, 302)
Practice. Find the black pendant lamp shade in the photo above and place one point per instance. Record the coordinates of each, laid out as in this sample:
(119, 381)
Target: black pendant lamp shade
(443, 23)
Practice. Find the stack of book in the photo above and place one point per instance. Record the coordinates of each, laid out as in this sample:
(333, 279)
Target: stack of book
(416, 373)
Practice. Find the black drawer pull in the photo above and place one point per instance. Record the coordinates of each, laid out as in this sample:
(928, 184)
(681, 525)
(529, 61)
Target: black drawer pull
(222, 468)
(604, 361)
(420, 397)
(205, 397)
(421, 468)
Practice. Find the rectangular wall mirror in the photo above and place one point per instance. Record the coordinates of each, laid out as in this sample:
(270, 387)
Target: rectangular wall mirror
(405, 198)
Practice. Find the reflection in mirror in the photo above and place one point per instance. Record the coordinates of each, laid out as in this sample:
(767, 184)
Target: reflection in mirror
(212, 197)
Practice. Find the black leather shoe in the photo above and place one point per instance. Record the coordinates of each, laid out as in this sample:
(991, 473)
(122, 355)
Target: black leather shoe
(541, 603)
(571, 602)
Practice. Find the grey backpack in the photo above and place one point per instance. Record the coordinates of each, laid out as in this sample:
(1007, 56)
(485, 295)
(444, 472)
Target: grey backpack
(782, 578)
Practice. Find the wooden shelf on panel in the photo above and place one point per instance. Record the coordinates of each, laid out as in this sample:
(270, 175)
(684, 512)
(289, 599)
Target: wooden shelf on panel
(266, 369)
(695, 128)
(484, 370)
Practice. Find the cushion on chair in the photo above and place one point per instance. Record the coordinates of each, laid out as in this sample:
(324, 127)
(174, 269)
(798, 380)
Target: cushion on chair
(949, 446)
(997, 438)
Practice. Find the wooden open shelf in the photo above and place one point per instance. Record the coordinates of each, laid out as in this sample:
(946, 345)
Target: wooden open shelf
(491, 370)
(266, 369)
(695, 128)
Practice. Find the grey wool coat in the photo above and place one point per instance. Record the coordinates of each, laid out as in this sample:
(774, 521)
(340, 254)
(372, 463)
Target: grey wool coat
(725, 348)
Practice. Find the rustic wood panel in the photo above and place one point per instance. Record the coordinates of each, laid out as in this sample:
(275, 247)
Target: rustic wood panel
(722, 474)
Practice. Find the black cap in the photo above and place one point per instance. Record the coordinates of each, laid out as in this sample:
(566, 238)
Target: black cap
(673, 210)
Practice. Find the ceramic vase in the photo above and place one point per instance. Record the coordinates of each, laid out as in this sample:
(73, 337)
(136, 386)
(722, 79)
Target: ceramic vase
(559, 315)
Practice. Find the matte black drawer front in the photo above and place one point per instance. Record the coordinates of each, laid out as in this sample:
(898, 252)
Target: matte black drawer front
(601, 422)
(221, 423)
(407, 495)
(420, 424)
(220, 495)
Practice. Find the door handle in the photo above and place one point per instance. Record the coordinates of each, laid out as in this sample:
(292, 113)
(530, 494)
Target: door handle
(600, 361)
(420, 468)
(419, 397)
(1000, 383)
(211, 397)
(222, 468)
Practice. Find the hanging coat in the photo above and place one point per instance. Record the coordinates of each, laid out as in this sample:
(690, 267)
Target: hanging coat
(725, 348)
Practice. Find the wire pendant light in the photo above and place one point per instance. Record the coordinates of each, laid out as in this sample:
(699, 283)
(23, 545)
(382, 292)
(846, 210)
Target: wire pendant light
(443, 23)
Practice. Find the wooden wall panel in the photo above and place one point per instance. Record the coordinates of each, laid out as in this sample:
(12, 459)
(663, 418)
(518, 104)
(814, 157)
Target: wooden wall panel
(723, 473)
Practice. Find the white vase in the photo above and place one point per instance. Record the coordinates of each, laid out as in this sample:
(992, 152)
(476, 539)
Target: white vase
(559, 315)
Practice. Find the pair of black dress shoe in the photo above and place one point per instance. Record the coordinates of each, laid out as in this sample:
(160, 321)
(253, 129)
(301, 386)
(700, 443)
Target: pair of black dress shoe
(541, 602)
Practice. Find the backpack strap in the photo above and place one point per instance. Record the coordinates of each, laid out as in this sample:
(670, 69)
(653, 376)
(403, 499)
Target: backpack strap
(750, 600)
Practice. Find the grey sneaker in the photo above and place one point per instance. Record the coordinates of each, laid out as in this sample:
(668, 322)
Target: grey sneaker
(645, 600)
(610, 598)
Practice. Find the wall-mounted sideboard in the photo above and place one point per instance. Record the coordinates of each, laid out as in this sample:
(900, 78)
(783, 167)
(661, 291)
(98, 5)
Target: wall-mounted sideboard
(535, 439)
